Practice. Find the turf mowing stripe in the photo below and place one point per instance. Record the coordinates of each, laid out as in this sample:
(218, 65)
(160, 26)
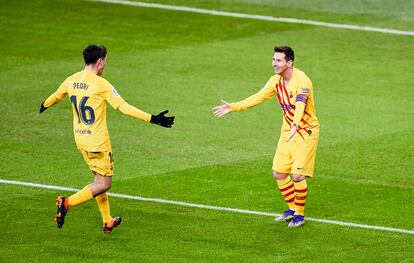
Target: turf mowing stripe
(259, 17)
(218, 208)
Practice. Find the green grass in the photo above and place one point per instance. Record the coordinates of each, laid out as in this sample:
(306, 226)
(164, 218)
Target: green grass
(157, 232)
(187, 62)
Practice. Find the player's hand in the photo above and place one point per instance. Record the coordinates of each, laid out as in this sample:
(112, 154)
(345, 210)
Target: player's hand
(293, 129)
(162, 120)
(222, 110)
(42, 108)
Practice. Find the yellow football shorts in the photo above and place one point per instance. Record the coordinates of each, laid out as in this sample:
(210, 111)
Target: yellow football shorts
(99, 162)
(296, 157)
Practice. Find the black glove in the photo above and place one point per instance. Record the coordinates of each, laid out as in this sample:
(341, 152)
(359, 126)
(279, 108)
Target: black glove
(162, 120)
(42, 108)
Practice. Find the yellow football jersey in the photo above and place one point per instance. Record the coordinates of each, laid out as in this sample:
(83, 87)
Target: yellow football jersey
(88, 94)
(296, 100)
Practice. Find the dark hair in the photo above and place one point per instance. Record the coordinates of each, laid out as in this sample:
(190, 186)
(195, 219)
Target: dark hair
(92, 53)
(288, 51)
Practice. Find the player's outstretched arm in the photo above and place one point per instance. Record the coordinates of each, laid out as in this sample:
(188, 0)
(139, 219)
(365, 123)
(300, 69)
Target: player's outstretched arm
(49, 102)
(222, 110)
(262, 95)
(52, 100)
(159, 119)
(55, 98)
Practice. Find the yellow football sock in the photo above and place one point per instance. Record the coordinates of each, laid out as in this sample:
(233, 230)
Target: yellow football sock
(103, 205)
(301, 189)
(287, 189)
(80, 197)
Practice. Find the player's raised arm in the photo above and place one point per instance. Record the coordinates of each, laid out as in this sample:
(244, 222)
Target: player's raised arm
(55, 98)
(159, 119)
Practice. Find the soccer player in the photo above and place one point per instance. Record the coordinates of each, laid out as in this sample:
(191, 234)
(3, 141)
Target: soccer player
(89, 92)
(296, 149)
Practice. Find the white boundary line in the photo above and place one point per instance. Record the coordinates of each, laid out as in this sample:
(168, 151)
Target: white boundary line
(258, 17)
(210, 207)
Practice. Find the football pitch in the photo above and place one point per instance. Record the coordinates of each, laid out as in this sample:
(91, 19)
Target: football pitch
(186, 62)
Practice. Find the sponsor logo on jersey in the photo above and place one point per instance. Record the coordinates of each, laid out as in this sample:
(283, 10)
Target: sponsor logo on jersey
(85, 131)
(304, 90)
(287, 106)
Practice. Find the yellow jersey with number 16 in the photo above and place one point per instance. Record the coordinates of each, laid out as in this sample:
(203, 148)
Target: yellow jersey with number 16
(88, 94)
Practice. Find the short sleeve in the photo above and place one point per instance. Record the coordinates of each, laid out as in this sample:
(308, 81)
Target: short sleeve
(112, 96)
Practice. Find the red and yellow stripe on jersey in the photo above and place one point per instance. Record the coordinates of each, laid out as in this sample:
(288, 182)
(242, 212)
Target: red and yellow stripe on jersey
(296, 100)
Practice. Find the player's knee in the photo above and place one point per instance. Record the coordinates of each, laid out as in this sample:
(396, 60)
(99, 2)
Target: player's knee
(107, 184)
(298, 177)
(279, 176)
(104, 182)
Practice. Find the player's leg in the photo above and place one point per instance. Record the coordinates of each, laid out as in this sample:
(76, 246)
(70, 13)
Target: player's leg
(100, 185)
(287, 190)
(304, 155)
(99, 163)
(102, 182)
(301, 189)
(103, 205)
(282, 164)
(106, 165)
(108, 222)
(63, 204)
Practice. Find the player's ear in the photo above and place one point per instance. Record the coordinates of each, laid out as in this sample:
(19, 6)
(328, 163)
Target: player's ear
(290, 63)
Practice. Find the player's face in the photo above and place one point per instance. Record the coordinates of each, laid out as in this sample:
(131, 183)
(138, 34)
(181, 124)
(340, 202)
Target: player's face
(100, 64)
(280, 64)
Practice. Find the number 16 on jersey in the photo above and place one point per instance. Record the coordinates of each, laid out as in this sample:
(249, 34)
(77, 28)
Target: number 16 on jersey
(84, 112)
